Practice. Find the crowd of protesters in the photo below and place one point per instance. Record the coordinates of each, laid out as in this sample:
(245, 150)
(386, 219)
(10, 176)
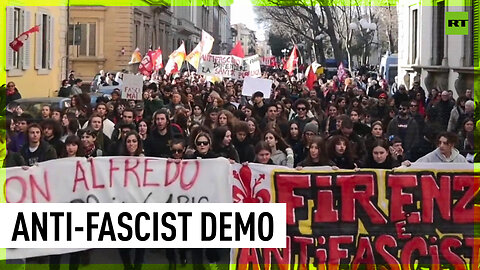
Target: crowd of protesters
(353, 123)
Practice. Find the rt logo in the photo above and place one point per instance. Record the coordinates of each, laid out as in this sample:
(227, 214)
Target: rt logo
(456, 23)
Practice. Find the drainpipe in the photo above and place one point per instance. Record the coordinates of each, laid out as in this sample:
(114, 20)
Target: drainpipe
(66, 40)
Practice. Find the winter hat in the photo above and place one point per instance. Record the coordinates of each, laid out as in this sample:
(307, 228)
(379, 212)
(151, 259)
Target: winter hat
(310, 127)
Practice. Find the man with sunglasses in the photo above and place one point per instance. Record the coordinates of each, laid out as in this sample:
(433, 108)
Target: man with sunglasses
(405, 127)
(301, 107)
(413, 109)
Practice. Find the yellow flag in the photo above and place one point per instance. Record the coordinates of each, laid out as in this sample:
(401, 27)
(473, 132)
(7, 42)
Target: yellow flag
(194, 57)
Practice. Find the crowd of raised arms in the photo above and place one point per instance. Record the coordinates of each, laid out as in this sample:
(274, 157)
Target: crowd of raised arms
(351, 123)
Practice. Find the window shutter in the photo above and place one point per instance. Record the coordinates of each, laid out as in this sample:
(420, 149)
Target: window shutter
(51, 41)
(476, 32)
(10, 37)
(26, 47)
(38, 41)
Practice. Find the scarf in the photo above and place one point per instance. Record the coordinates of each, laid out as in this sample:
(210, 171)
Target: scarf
(89, 150)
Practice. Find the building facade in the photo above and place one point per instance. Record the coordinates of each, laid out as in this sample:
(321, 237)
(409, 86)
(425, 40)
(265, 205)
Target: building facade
(103, 38)
(240, 32)
(39, 66)
(429, 56)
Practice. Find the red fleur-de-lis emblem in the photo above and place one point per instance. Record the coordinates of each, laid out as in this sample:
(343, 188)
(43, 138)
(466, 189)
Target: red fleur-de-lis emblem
(248, 193)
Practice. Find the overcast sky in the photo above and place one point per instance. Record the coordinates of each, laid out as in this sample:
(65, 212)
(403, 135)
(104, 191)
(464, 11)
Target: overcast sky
(242, 12)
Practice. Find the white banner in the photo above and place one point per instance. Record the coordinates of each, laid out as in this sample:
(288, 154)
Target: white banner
(116, 180)
(229, 66)
(132, 87)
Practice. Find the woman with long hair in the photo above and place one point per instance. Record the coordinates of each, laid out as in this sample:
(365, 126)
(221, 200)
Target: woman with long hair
(73, 147)
(263, 153)
(132, 145)
(226, 118)
(293, 136)
(339, 153)
(377, 132)
(280, 149)
(211, 121)
(254, 133)
(379, 156)
(222, 144)
(466, 138)
(143, 129)
(329, 124)
(89, 137)
(198, 114)
(316, 156)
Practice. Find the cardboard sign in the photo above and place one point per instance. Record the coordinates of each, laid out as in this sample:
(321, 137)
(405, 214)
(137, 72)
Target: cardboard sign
(132, 87)
(252, 85)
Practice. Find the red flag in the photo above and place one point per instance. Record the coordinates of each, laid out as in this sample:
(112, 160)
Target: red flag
(157, 61)
(311, 78)
(238, 50)
(292, 61)
(18, 42)
(146, 66)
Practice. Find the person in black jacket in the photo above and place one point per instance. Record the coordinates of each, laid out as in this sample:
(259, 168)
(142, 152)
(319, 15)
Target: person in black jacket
(12, 159)
(12, 92)
(316, 154)
(379, 156)
(51, 134)
(245, 150)
(157, 143)
(338, 152)
(36, 150)
(203, 146)
(222, 144)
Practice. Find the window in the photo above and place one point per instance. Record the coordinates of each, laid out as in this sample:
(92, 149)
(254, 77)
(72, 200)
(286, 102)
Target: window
(85, 37)
(18, 21)
(438, 33)
(17, 29)
(137, 35)
(44, 41)
(414, 36)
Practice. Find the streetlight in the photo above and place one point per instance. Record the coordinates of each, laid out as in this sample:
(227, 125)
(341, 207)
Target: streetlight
(285, 52)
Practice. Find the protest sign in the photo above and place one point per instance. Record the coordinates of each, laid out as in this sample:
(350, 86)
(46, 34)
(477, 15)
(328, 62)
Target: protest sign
(229, 66)
(270, 61)
(251, 67)
(382, 218)
(116, 180)
(226, 66)
(132, 87)
(252, 85)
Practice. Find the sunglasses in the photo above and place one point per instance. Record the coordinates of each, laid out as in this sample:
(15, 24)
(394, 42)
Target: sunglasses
(177, 151)
(204, 143)
(301, 108)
